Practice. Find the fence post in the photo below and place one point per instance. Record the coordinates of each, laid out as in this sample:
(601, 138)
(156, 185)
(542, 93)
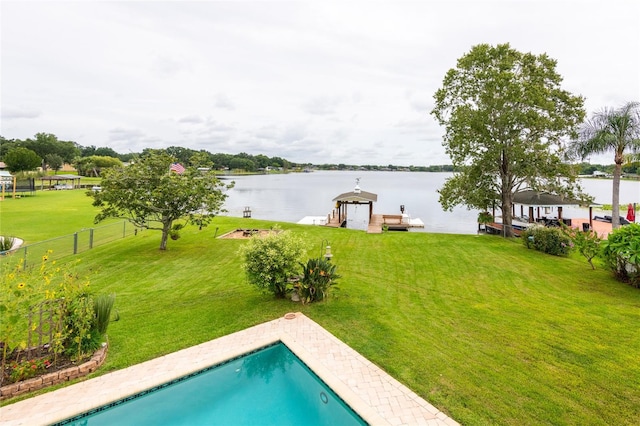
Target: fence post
(90, 238)
(75, 243)
(25, 256)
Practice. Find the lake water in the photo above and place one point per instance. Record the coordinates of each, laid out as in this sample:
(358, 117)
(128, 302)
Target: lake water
(290, 197)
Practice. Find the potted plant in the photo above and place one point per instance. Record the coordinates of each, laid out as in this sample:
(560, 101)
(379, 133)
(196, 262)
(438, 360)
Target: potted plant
(483, 219)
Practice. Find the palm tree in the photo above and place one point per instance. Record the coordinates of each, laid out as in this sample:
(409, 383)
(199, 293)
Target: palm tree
(616, 130)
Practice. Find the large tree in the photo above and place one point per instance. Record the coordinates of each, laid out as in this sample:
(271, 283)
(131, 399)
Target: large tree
(505, 117)
(22, 159)
(611, 129)
(151, 196)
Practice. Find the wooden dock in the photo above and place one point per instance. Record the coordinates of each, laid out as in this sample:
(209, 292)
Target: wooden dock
(334, 222)
(375, 224)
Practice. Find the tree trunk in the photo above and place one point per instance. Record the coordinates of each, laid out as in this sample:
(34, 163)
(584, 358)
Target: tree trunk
(166, 227)
(506, 197)
(615, 201)
(507, 217)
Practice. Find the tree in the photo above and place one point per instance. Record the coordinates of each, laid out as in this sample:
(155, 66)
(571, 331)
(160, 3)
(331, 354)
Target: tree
(22, 159)
(150, 196)
(47, 143)
(93, 165)
(201, 159)
(610, 129)
(53, 161)
(505, 117)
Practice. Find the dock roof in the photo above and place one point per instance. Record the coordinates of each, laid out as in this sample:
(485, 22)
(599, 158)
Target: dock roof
(357, 196)
(534, 198)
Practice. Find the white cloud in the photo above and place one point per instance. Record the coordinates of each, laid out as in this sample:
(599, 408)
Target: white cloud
(349, 82)
(9, 112)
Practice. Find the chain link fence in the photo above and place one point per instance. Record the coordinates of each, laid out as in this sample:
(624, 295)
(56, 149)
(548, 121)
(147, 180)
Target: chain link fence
(78, 242)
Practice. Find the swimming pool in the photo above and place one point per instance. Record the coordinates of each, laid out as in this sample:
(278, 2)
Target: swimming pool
(270, 386)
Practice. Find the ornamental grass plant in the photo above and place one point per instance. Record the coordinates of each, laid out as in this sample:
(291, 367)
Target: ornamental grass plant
(483, 328)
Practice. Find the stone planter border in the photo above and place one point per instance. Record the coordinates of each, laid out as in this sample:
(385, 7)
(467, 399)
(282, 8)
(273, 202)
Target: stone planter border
(50, 379)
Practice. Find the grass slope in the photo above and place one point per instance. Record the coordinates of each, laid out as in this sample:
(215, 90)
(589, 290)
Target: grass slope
(486, 330)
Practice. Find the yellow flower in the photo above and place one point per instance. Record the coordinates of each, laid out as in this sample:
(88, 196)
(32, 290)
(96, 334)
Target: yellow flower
(45, 258)
(21, 285)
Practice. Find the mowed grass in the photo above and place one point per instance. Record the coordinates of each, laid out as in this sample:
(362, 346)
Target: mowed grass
(486, 330)
(46, 215)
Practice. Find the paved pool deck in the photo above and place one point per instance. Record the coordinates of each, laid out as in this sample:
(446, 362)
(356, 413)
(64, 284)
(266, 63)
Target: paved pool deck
(375, 395)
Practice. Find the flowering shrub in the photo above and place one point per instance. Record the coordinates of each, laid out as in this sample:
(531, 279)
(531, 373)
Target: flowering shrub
(318, 275)
(27, 369)
(71, 318)
(546, 239)
(621, 253)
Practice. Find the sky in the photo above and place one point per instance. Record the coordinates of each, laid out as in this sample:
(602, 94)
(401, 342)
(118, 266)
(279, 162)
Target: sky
(310, 81)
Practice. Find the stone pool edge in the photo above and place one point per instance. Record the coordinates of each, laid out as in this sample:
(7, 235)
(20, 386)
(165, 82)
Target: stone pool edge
(371, 392)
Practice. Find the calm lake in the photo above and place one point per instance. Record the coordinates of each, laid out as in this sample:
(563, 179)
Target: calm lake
(290, 197)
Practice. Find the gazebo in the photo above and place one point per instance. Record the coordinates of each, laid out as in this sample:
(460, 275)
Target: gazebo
(537, 199)
(357, 196)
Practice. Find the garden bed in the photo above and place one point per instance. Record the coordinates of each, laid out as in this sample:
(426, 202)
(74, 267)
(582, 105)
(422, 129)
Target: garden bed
(64, 371)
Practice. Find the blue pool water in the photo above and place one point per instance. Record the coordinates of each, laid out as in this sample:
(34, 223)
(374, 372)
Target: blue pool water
(268, 387)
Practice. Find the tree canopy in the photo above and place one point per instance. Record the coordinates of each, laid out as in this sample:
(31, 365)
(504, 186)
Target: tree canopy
(151, 196)
(611, 129)
(21, 159)
(505, 117)
(94, 164)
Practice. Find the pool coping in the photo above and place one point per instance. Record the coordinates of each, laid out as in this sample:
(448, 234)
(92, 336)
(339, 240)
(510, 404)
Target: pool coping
(376, 396)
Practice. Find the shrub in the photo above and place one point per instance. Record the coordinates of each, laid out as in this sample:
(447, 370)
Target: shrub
(73, 320)
(271, 261)
(621, 253)
(6, 243)
(80, 335)
(586, 242)
(547, 240)
(318, 275)
(102, 306)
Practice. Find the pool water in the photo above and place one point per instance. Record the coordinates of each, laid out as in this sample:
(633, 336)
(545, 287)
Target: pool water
(270, 386)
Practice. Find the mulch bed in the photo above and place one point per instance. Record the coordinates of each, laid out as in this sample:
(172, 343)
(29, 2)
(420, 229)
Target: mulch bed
(248, 233)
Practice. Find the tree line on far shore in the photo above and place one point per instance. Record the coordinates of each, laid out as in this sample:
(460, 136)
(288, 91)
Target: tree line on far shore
(45, 150)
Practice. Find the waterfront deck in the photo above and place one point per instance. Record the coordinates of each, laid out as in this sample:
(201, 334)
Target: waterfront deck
(603, 229)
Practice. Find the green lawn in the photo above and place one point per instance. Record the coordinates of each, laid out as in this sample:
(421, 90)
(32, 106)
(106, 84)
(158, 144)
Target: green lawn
(486, 330)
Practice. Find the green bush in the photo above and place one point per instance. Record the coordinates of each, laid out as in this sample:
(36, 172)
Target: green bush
(102, 305)
(587, 243)
(81, 336)
(621, 253)
(318, 275)
(271, 261)
(547, 239)
(6, 243)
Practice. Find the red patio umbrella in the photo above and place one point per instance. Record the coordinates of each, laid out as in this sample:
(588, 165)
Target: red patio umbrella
(631, 213)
